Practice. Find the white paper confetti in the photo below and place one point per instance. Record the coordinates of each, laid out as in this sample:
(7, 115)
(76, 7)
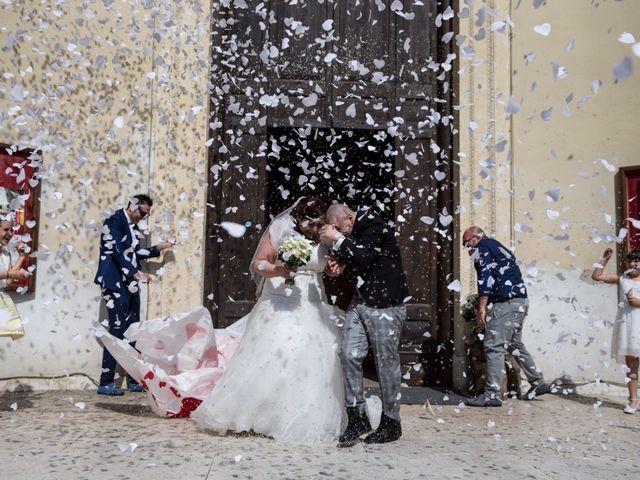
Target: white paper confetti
(236, 230)
(627, 38)
(543, 29)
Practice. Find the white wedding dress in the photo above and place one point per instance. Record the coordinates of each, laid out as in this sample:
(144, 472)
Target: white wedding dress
(284, 379)
(275, 372)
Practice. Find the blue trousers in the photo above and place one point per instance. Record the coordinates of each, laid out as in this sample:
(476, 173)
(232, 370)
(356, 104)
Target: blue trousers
(123, 308)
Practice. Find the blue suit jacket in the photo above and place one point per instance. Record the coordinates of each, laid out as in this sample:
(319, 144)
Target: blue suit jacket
(116, 267)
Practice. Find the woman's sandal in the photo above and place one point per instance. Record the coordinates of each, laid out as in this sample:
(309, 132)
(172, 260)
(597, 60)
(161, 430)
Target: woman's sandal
(629, 409)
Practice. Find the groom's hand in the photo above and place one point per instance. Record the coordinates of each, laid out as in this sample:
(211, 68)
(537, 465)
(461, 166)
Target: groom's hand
(329, 234)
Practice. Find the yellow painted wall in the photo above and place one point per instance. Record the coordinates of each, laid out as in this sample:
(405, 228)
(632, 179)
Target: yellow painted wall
(114, 94)
(572, 311)
(569, 327)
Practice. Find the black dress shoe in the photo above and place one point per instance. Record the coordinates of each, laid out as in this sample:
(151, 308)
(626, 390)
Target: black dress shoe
(389, 430)
(358, 424)
(537, 390)
(483, 401)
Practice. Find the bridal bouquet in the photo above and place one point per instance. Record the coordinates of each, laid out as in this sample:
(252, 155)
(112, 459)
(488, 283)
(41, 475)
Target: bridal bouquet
(295, 253)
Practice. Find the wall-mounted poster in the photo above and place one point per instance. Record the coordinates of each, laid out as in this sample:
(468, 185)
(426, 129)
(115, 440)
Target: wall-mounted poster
(19, 203)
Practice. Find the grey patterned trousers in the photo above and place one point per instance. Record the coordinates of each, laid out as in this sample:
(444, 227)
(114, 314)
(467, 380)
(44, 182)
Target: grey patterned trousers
(382, 327)
(504, 332)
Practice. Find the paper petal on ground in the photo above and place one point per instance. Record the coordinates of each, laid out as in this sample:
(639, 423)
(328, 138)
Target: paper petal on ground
(127, 446)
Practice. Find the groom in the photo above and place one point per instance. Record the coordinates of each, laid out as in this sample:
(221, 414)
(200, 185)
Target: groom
(377, 314)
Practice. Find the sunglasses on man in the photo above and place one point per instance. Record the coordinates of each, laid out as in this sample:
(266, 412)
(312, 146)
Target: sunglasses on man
(465, 243)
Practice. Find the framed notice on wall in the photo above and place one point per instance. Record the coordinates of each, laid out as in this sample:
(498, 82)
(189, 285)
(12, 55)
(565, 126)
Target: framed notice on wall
(19, 202)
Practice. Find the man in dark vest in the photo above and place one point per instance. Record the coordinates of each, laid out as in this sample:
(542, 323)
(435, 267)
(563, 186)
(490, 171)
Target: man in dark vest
(377, 314)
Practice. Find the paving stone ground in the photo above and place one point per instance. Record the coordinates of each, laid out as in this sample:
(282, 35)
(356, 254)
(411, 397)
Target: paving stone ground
(80, 435)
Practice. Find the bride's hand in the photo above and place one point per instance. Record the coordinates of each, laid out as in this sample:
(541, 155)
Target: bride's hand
(284, 271)
(334, 268)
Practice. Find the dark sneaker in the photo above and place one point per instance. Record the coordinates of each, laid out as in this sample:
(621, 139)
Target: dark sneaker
(483, 401)
(136, 388)
(536, 391)
(389, 430)
(110, 389)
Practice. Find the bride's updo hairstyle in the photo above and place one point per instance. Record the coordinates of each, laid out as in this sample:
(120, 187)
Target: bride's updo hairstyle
(309, 209)
(309, 216)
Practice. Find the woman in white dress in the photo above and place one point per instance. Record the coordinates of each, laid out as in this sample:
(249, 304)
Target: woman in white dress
(625, 343)
(284, 379)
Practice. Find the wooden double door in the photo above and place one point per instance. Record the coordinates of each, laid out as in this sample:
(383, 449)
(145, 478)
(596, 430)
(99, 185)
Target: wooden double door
(349, 101)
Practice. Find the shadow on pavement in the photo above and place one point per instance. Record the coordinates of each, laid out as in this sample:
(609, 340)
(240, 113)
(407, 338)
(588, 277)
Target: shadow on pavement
(136, 410)
(588, 400)
(419, 395)
(22, 395)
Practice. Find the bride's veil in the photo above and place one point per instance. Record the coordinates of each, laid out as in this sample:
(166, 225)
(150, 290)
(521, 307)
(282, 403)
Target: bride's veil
(279, 229)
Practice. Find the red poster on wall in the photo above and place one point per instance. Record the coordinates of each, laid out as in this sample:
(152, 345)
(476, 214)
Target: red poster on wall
(19, 197)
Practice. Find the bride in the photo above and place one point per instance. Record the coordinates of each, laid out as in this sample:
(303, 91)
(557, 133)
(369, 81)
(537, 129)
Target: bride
(284, 378)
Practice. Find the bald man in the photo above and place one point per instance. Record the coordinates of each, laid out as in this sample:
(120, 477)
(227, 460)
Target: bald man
(377, 314)
(501, 310)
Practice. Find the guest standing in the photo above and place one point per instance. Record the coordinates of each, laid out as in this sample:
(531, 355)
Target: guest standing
(119, 276)
(502, 308)
(10, 267)
(625, 344)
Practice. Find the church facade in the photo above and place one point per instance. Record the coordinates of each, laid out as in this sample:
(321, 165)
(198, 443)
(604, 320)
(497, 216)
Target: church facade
(512, 115)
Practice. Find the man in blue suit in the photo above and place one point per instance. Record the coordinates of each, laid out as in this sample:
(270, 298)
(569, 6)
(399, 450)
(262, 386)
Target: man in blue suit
(119, 276)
